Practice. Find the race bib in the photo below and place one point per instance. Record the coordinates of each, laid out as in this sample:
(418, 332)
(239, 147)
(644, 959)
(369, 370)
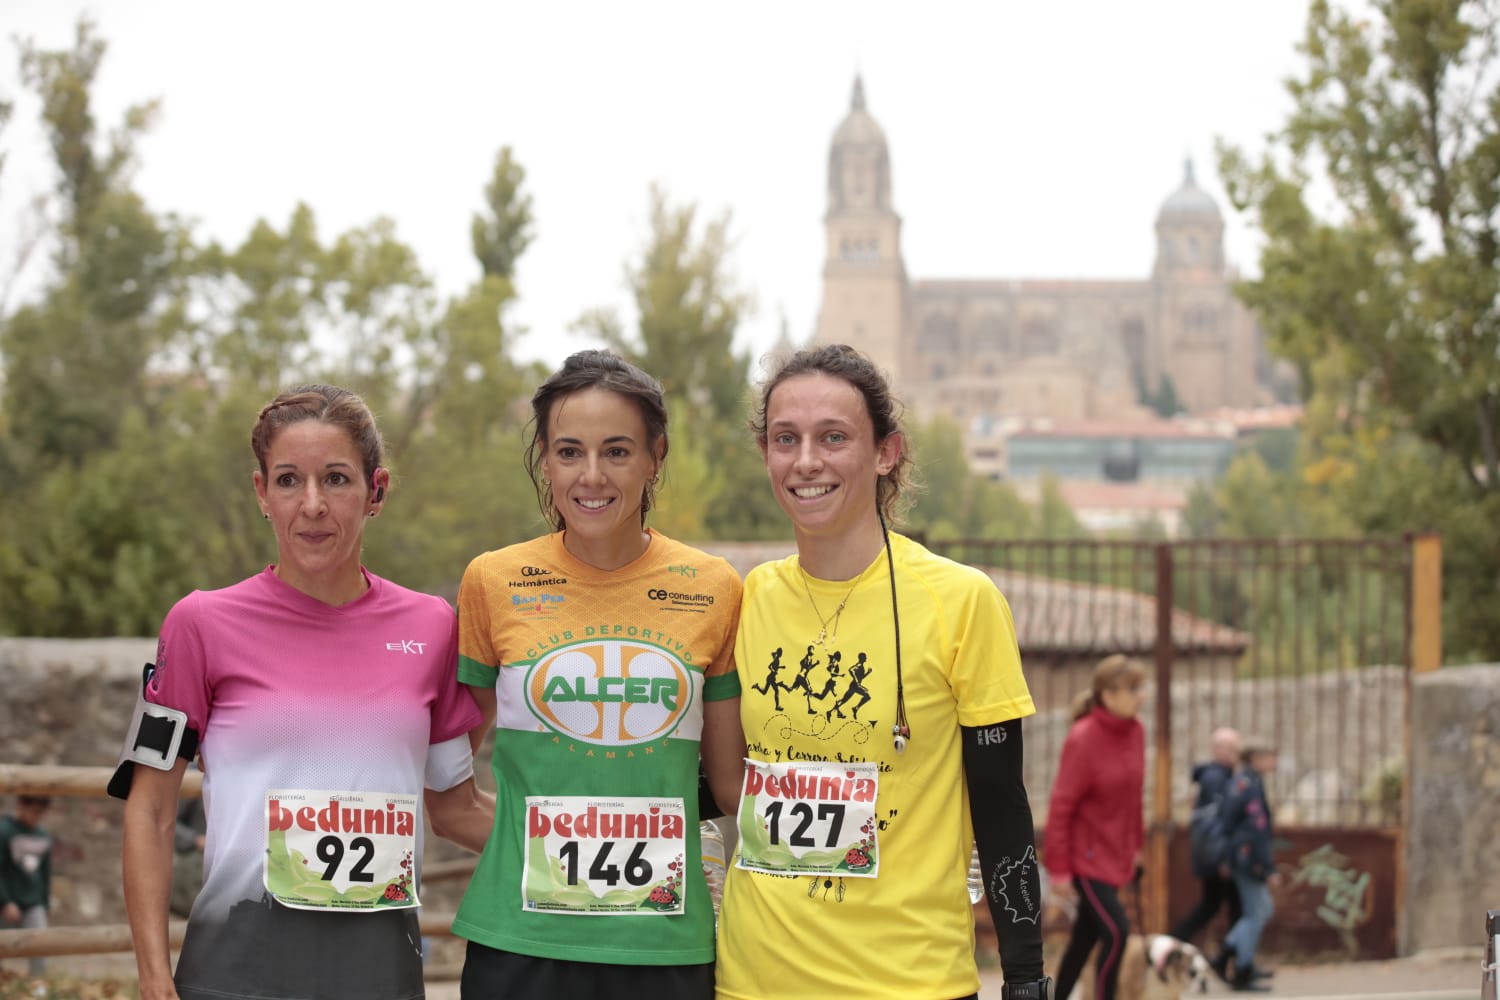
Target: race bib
(605, 856)
(809, 818)
(346, 851)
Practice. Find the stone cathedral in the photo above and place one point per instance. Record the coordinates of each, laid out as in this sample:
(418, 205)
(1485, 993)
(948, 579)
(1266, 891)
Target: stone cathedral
(993, 353)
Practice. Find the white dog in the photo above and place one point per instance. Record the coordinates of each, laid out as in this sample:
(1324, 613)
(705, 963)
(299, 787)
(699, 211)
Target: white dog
(1160, 967)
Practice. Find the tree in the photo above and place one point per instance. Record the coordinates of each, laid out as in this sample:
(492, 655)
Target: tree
(76, 360)
(689, 307)
(134, 376)
(952, 501)
(500, 237)
(1380, 200)
(1166, 402)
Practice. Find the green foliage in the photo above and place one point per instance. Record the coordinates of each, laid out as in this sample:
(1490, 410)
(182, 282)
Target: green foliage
(1380, 199)
(1165, 400)
(951, 502)
(134, 377)
(76, 359)
(500, 237)
(688, 308)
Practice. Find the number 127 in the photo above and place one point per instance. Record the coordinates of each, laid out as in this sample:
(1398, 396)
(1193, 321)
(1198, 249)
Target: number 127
(828, 812)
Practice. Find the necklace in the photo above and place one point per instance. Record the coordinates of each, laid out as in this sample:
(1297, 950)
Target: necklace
(823, 635)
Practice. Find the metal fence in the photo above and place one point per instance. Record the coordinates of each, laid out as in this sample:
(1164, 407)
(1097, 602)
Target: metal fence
(1304, 642)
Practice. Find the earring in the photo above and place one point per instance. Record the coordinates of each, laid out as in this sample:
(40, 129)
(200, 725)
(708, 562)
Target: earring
(372, 513)
(265, 515)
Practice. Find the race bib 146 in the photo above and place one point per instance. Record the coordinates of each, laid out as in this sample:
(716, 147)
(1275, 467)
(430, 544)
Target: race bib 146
(591, 856)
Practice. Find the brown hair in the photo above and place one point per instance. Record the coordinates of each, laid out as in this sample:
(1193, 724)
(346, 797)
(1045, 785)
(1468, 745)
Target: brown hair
(1111, 673)
(327, 404)
(594, 370)
(844, 362)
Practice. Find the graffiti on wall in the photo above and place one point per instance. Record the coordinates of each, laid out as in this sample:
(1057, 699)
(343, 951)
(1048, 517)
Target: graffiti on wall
(1347, 892)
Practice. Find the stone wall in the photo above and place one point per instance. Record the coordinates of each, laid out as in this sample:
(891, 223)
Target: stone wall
(68, 702)
(1452, 874)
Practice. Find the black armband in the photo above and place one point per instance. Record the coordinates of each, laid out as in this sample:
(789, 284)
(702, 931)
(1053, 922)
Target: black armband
(1006, 839)
(158, 737)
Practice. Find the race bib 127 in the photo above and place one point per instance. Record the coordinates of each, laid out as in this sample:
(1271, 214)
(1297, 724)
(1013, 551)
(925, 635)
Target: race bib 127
(809, 818)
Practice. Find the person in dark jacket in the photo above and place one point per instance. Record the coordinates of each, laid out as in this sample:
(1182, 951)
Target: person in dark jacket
(1217, 888)
(1247, 826)
(1094, 828)
(26, 869)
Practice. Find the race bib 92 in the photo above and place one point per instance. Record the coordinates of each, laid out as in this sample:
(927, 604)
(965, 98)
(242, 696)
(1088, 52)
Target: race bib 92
(345, 851)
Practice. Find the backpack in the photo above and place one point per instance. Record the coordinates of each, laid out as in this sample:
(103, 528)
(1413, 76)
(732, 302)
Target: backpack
(1207, 841)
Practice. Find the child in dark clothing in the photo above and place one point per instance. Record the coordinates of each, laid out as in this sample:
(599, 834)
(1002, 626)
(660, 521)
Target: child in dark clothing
(26, 869)
(1247, 825)
(1213, 778)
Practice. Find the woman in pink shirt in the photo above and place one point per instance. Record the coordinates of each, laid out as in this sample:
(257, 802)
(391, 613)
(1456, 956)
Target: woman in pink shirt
(1094, 831)
(321, 704)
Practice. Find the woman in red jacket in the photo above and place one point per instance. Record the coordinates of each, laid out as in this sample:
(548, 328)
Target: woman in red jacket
(1094, 832)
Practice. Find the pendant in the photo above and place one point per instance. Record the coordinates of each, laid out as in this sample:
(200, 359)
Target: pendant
(822, 634)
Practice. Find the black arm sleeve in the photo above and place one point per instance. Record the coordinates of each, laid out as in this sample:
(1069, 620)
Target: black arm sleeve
(1007, 844)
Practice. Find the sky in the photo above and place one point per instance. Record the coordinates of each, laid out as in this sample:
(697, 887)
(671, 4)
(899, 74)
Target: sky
(1027, 140)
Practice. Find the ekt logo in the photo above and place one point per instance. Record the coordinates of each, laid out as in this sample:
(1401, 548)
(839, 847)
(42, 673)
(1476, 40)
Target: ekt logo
(406, 646)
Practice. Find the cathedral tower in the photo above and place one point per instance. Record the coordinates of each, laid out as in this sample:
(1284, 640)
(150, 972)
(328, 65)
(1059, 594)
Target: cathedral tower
(1201, 337)
(864, 279)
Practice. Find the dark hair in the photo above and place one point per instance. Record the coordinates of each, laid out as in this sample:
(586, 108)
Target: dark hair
(327, 404)
(844, 362)
(594, 370)
(40, 801)
(1111, 673)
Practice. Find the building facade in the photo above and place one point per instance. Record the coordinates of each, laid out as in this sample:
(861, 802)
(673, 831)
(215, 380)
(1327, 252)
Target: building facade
(991, 354)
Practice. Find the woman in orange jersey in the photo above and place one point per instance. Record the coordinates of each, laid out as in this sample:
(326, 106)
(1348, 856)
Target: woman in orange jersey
(603, 652)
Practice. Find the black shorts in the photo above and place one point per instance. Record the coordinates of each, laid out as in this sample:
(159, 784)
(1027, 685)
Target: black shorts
(491, 974)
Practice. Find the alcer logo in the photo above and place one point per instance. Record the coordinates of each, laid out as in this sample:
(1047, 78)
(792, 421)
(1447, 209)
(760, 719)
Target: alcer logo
(613, 693)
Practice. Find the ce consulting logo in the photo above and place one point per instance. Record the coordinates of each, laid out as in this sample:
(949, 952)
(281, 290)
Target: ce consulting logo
(611, 692)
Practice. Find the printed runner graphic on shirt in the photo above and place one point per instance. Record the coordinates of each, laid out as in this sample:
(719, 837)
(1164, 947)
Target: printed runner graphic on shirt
(621, 856)
(809, 818)
(346, 851)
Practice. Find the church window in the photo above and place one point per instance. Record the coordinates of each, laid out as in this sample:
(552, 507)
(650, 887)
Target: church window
(993, 333)
(939, 334)
(1038, 338)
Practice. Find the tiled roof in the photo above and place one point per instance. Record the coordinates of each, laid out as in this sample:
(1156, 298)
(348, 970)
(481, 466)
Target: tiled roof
(1057, 616)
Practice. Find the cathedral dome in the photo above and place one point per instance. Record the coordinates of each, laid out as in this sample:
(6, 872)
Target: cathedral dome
(858, 127)
(1189, 202)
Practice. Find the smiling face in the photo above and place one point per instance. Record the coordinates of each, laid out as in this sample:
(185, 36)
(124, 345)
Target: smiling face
(315, 493)
(823, 458)
(599, 459)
